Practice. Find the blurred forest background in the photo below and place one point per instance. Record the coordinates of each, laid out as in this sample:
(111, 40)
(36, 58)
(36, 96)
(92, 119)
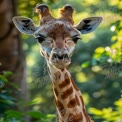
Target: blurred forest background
(25, 90)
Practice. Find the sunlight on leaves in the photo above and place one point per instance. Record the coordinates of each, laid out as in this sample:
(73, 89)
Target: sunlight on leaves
(96, 68)
(119, 103)
(38, 100)
(85, 64)
(81, 77)
(95, 111)
(109, 114)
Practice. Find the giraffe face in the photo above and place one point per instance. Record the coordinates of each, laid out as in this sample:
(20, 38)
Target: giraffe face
(57, 42)
(56, 36)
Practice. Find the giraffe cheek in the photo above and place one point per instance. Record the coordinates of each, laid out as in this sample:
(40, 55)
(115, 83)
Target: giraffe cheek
(71, 50)
(41, 52)
(44, 53)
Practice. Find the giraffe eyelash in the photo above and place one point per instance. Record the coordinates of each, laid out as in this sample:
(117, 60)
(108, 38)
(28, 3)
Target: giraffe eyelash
(40, 38)
(75, 39)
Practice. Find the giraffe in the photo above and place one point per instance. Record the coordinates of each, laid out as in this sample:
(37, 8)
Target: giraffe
(57, 38)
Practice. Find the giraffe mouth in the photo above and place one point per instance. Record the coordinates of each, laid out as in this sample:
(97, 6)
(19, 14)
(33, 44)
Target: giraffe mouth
(60, 60)
(60, 57)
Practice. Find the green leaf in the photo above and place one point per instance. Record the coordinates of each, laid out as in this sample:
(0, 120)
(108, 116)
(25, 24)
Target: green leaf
(95, 111)
(7, 73)
(3, 79)
(13, 114)
(85, 64)
(51, 116)
(16, 86)
(118, 103)
(6, 99)
(36, 114)
(32, 102)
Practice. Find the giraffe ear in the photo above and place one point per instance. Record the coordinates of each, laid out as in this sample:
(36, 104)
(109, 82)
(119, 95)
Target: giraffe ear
(24, 25)
(88, 25)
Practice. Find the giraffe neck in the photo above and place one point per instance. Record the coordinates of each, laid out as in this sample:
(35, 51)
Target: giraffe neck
(68, 98)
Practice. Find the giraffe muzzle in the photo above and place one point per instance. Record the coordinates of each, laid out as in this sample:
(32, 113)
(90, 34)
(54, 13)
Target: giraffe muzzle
(60, 57)
(60, 60)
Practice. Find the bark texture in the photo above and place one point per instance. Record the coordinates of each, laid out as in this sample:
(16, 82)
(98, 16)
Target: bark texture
(11, 53)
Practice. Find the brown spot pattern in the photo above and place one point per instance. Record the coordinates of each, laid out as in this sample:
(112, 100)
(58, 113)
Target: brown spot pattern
(72, 103)
(57, 75)
(82, 100)
(66, 76)
(78, 102)
(60, 107)
(86, 115)
(60, 120)
(62, 70)
(56, 92)
(64, 83)
(84, 111)
(67, 93)
(75, 118)
(74, 85)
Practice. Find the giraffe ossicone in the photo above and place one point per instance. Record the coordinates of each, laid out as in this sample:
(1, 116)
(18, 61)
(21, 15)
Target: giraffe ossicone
(57, 38)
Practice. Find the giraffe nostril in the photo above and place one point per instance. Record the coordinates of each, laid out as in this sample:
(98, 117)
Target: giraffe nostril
(66, 56)
(60, 57)
(54, 56)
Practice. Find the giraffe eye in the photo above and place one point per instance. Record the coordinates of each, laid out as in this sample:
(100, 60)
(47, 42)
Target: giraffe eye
(40, 39)
(75, 39)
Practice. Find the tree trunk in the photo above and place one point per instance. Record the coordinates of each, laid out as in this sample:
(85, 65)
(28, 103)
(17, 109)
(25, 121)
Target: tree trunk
(11, 53)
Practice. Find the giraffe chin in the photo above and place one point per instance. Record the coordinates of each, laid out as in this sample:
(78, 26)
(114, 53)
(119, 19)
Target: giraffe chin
(60, 64)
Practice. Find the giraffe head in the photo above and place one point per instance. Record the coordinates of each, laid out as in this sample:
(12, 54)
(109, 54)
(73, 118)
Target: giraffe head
(57, 37)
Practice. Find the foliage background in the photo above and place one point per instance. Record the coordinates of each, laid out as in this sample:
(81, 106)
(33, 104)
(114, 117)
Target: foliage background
(96, 64)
